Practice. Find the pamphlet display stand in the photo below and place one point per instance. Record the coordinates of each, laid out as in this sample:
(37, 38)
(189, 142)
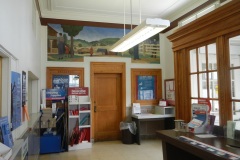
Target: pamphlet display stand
(52, 141)
(199, 121)
(79, 122)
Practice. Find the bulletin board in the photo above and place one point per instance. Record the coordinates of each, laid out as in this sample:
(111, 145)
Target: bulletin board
(170, 91)
(146, 86)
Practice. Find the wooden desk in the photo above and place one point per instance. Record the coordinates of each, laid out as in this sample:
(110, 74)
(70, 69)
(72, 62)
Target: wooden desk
(174, 149)
(168, 123)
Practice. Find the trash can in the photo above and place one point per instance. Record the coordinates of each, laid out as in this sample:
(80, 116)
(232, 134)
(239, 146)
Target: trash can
(128, 130)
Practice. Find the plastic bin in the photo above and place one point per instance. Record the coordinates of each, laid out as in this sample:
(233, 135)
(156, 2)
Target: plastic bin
(128, 130)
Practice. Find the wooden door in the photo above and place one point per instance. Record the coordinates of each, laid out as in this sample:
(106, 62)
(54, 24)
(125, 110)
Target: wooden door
(107, 106)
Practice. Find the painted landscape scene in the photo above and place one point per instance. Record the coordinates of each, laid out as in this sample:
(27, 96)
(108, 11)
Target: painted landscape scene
(73, 43)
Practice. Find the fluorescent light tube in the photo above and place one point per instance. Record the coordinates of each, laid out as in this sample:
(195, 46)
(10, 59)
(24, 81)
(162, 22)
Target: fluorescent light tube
(145, 30)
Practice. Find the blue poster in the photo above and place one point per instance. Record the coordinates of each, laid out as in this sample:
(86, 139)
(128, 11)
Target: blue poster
(24, 81)
(60, 82)
(16, 101)
(5, 132)
(146, 87)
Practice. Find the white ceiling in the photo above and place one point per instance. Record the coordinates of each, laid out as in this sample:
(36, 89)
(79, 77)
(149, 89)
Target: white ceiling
(112, 11)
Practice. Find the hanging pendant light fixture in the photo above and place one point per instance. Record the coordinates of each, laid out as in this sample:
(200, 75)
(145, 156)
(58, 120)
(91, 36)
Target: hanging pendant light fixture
(145, 30)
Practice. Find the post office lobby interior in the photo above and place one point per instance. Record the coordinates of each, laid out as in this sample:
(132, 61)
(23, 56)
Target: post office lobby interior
(24, 47)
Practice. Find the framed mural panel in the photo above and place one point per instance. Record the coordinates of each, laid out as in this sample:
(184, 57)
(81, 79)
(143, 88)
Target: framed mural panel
(146, 86)
(169, 85)
(74, 42)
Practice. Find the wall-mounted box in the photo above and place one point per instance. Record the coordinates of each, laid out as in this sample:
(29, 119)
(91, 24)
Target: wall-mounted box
(168, 110)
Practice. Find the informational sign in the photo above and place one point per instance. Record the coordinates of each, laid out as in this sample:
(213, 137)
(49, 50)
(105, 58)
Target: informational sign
(78, 91)
(60, 81)
(206, 102)
(170, 92)
(16, 101)
(146, 88)
(55, 94)
(200, 112)
(23, 88)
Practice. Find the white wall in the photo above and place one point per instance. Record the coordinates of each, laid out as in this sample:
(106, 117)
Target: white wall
(169, 58)
(20, 45)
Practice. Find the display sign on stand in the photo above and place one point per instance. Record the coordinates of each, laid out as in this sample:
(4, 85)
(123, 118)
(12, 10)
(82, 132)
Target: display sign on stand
(55, 94)
(78, 91)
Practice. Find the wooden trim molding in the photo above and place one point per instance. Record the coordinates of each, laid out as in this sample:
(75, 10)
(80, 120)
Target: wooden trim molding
(218, 22)
(45, 21)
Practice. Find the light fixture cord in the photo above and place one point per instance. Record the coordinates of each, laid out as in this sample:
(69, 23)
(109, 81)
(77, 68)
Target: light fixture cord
(140, 7)
(124, 16)
(131, 13)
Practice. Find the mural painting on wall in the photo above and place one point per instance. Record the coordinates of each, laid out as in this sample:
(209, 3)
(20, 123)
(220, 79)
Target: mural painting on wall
(73, 43)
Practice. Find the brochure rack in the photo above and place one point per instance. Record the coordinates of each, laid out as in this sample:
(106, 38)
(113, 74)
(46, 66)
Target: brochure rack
(199, 121)
(79, 119)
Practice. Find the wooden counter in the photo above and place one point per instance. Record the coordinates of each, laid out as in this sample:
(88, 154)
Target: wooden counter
(175, 148)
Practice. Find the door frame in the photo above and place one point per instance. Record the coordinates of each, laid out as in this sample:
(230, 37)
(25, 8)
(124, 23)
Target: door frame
(108, 67)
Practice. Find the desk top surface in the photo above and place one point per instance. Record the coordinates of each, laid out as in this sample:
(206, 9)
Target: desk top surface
(174, 137)
(151, 116)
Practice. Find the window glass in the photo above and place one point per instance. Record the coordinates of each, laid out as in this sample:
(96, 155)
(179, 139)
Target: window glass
(202, 58)
(203, 86)
(213, 85)
(212, 58)
(234, 51)
(236, 114)
(194, 85)
(194, 101)
(235, 83)
(193, 60)
(204, 76)
(215, 110)
(234, 46)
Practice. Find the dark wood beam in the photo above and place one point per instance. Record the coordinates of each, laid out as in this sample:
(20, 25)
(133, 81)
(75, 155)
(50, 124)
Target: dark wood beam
(45, 21)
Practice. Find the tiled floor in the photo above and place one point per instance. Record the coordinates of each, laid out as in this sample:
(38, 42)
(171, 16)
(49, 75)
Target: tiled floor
(113, 150)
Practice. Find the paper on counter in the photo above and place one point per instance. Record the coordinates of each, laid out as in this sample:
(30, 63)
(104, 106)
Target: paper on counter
(205, 136)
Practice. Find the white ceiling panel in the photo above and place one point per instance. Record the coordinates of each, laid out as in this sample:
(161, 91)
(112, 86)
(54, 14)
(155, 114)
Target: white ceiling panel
(113, 10)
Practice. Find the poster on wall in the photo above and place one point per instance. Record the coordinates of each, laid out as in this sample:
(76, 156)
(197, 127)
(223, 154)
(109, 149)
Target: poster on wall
(170, 92)
(5, 132)
(60, 82)
(16, 102)
(24, 92)
(92, 41)
(146, 87)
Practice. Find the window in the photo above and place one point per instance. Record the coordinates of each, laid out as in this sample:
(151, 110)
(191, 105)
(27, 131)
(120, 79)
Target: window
(204, 76)
(234, 53)
(205, 42)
